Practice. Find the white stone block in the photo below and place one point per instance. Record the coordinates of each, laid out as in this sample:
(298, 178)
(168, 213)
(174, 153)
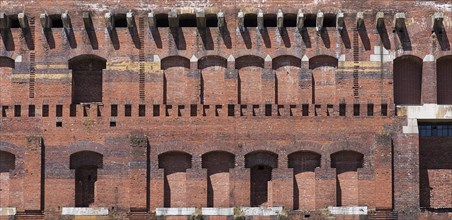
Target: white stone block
(350, 210)
(174, 211)
(5, 211)
(217, 211)
(261, 211)
(84, 211)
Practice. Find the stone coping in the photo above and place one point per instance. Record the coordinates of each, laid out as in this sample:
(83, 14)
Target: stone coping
(348, 210)
(84, 211)
(6, 211)
(246, 211)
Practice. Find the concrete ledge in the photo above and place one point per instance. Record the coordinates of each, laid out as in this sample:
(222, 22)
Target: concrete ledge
(217, 211)
(423, 112)
(261, 211)
(84, 211)
(351, 210)
(7, 211)
(174, 211)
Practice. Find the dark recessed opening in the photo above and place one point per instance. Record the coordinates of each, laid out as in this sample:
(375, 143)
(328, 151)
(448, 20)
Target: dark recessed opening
(156, 110)
(193, 110)
(305, 109)
(329, 20)
(356, 109)
(290, 20)
(260, 167)
(45, 110)
(14, 21)
(141, 110)
(211, 20)
(59, 124)
(310, 20)
(17, 110)
(112, 123)
(231, 111)
(187, 20)
(384, 109)
(4, 109)
(86, 110)
(342, 109)
(370, 109)
(307, 216)
(31, 111)
(270, 20)
(114, 110)
(120, 20)
(59, 110)
(56, 21)
(73, 110)
(268, 110)
(250, 20)
(161, 20)
(127, 110)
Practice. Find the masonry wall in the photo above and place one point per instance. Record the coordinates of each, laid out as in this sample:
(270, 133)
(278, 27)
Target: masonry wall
(176, 101)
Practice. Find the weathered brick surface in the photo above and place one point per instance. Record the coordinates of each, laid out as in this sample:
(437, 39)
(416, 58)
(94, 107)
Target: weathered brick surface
(213, 98)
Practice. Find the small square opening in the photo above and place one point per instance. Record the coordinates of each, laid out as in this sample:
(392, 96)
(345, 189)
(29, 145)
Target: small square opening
(193, 110)
(17, 110)
(384, 109)
(114, 110)
(161, 20)
(120, 20)
(73, 110)
(269, 20)
(370, 109)
(112, 123)
(45, 110)
(329, 20)
(59, 111)
(310, 20)
(356, 109)
(59, 124)
(156, 110)
(127, 110)
(31, 111)
(187, 20)
(305, 109)
(342, 109)
(250, 20)
(268, 110)
(211, 20)
(56, 21)
(14, 21)
(142, 110)
(290, 20)
(231, 110)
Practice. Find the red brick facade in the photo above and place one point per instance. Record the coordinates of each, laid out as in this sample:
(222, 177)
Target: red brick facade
(138, 105)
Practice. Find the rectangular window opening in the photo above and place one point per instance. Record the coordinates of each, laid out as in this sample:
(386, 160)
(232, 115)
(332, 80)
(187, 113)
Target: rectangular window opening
(59, 111)
(14, 21)
(56, 21)
(187, 20)
(31, 111)
(217, 110)
(114, 110)
(290, 20)
(142, 110)
(72, 110)
(268, 110)
(45, 110)
(356, 108)
(161, 20)
(211, 20)
(231, 110)
(193, 110)
(270, 20)
(370, 109)
(342, 109)
(4, 110)
(305, 109)
(112, 123)
(120, 21)
(59, 124)
(17, 110)
(384, 109)
(310, 20)
(156, 110)
(127, 110)
(329, 20)
(250, 20)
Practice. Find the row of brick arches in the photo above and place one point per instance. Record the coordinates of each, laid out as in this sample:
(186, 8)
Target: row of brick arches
(218, 164)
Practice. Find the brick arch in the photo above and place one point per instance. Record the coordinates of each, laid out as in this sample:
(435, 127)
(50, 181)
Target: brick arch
(100, 62)
(261, 157)
(312, 159)
(347, 163)
(444, 79)
(350, 158)
(346, 146)
(261, 165)
(309, 146)
(174, 61)
(322, 60)
(218, 164)
(87, 146)
(285, 60)
(12, 148)
(211, 61)
(249, 61)
(85, 158)
(175, 146)
(7, 62)
(175, 165)
(407, 74)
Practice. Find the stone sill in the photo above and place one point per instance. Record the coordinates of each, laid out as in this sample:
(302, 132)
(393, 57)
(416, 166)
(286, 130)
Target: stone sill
(7, 211)
(80, 211)
(348, 210)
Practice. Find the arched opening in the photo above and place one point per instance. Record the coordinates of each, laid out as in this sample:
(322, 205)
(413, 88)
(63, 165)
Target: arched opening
(347, 164)
(287, 83)
(176, 89)
(218, 164)
(249, 82)
(444, 80)
(7, 164)
(261, 164)
(175, 165)
(407, 80)
(323, 79)
(85, 164)
(87, 78)
(304, 164)
(212, 79)
(6, 68)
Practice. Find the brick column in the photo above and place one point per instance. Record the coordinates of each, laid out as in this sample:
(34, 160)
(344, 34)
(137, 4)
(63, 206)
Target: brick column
(196, 184)
(240, 178)
(157, 182)
(193, 83)
(231, 82)
(33, 186)
(428, 87)
(138, 173)
(282, 187)
(268, 82)
(325, 190)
